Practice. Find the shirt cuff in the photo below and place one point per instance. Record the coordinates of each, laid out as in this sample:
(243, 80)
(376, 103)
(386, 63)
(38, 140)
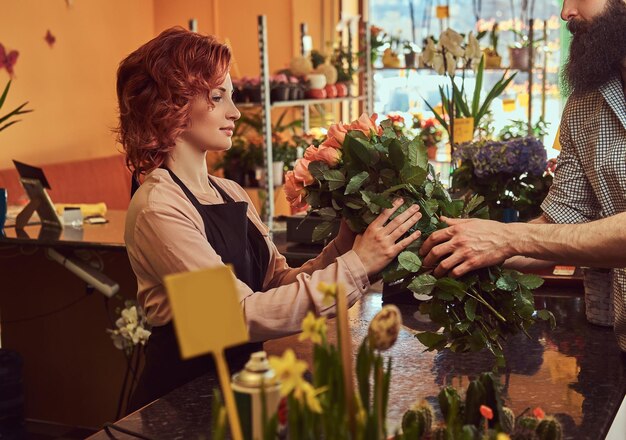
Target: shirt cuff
(357, 270)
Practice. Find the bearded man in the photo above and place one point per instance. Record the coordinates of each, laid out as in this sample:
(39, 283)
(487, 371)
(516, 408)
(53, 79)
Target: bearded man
(584, 214)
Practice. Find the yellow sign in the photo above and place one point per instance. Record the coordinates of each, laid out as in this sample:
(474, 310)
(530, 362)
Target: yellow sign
(443, 12)
(207, 314)
(508, 105)
(208, 319)
(523, 99)
(463, 130)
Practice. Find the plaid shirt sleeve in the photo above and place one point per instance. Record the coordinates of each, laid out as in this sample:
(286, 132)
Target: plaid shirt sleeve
(571, 198)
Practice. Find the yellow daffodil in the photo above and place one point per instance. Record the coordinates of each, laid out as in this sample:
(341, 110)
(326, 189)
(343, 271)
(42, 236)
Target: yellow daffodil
(288, 370)
(385, 327)
(305, 393)
(329, 291)
(313, 328)
(503, 436)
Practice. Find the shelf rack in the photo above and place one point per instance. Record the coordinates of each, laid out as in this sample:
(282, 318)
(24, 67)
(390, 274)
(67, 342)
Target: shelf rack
(266, 107)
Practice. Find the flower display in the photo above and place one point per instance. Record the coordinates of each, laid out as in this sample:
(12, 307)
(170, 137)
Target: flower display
(130, 328)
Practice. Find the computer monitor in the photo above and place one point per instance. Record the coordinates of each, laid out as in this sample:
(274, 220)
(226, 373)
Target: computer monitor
(35, 183)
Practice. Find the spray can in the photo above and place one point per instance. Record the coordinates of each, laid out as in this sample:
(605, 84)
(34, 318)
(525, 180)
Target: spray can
(247, 385)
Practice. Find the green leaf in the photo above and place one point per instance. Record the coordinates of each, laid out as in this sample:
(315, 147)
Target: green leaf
(439, 117)
(410, 261)
(335, 179)
(413, 175)
(478, 87)
(355, 148)
(529, 281)
(328, 213)
(546, 315)
(505, 282)
(356, 182)
(396, 154)
(322, 231)
(372, 198)
(317, 169)
(418, 156)
(470, 308)
(451, 286)
(433, 341)
(423, 284)
(5, 93)
(472, 204)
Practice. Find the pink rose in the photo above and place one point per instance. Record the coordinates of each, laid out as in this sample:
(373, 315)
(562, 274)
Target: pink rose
(294, 191)
(311, 153)
(302, 173)
(336, 135)
(329, 155)
(324, 153)
(366, 125)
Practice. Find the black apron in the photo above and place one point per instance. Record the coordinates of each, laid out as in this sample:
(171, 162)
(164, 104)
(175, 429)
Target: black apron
(238, 242)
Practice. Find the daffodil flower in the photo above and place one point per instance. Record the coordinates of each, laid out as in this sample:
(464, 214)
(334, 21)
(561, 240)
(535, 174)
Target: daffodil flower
(305, 393)
(313, 328)
(329, 291)
(288, 370)
(384, 328)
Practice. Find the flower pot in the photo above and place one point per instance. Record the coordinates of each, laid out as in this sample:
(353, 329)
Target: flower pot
(598, 296)
(296, 92)
(278, 173)
(409, 59)
(280, 92)
(316, 80)
(331, 91)
(253, 93)
(342, 90)
(431, 150)
(519, 58)
(492, 61)
(315, 94)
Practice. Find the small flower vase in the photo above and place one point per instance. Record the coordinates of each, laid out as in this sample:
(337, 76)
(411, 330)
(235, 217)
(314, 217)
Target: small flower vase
(278, 173)
(409, 59)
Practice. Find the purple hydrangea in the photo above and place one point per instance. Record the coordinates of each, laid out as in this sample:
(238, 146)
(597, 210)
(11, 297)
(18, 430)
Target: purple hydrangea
(516, 156)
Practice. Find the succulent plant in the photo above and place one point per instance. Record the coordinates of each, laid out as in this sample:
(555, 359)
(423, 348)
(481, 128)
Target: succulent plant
(549, 429)
(507, 422)
(418, 420)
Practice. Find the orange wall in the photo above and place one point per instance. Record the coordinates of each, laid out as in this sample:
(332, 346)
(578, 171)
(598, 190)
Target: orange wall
(71, 87)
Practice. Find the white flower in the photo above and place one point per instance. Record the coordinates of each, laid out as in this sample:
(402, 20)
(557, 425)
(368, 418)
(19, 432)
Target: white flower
(438, 65)
(429, 52)
(451, 41)
(130, 329)
(130, 315)
(451, 64)
(473, 52)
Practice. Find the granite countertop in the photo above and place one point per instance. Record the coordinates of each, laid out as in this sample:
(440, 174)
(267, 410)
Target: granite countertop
(575, 372)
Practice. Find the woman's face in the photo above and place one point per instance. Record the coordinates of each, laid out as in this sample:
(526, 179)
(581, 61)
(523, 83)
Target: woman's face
(211, 128)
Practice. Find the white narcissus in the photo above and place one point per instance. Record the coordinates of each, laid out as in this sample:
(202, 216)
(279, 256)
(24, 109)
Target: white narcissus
(451, 41)
(438, 64)
(429, 52)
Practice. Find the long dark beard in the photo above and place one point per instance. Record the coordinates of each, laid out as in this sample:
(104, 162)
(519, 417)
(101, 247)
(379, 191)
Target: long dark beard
(597, 51)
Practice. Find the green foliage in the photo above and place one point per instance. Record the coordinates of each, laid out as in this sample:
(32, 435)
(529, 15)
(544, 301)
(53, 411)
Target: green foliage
(479, 310)
(5, 121)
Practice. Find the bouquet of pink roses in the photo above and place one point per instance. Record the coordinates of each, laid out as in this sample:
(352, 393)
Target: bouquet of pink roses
(355, 173)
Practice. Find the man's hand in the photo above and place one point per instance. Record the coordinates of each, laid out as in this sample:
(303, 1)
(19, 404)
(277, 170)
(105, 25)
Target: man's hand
(466, 245)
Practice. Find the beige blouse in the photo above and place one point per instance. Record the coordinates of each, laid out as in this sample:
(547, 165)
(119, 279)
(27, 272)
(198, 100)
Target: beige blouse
(165, 234)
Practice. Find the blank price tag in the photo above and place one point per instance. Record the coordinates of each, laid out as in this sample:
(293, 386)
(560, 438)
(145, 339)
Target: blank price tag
(443, 12)
(508, 105)
(463, 130)
(566, 271)
(557, 140)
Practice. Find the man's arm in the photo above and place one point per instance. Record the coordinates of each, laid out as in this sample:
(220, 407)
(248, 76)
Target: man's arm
(470, 244)
(522, 263)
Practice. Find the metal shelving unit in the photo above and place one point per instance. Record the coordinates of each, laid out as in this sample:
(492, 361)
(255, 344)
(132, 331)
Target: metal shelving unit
(266, 107)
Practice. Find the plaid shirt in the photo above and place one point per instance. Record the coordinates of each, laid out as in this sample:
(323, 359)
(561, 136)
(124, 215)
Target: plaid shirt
(590, 179)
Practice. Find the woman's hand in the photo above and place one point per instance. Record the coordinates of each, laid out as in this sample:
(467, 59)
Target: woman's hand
(379, 245)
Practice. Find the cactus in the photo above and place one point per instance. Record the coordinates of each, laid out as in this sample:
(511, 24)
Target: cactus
(527, 423)
(474, 397)
(549, 429)
(440, 433)
(418, 420)
(524, 434)
(507, 422)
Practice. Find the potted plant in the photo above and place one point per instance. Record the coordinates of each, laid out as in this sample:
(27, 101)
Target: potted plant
(460, 116)
(509, 175)
(431, 134)
(280, 89)
(519, 52)
(344, 61)
(409, 54)
(493, 60)
(7, 120)
(390, 55)
(377, 40)
(251, 87)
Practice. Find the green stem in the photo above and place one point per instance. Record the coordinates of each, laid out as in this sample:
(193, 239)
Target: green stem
(486, 304)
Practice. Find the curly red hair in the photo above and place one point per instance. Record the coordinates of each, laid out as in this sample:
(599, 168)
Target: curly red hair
(156, 85)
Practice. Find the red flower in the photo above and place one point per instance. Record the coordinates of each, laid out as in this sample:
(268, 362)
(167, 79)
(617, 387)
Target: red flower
(538, 412)
(486, 412)
(8, 60)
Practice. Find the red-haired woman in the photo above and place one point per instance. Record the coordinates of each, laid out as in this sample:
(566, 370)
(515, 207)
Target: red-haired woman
(175, 106)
